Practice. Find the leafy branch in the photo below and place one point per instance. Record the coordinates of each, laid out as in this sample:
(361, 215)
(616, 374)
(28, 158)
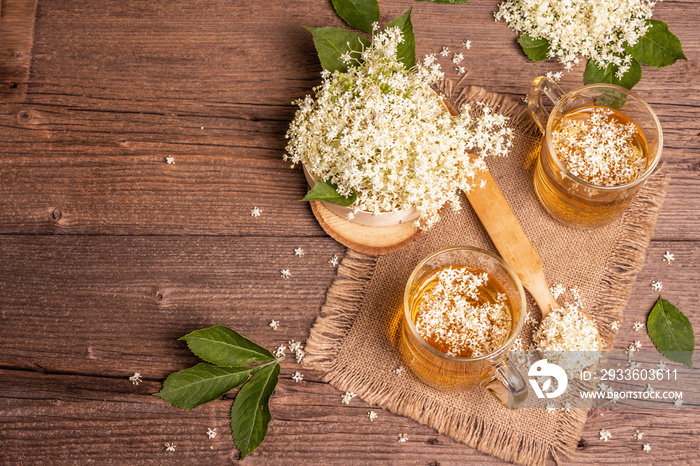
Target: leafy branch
(231, 355)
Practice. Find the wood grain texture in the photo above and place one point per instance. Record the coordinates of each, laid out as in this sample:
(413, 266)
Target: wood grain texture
(109, 254)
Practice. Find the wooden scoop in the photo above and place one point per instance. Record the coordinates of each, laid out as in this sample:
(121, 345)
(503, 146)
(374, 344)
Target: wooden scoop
(509, 237)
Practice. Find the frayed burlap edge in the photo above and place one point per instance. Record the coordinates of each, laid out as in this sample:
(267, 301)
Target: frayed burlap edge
(346, 296)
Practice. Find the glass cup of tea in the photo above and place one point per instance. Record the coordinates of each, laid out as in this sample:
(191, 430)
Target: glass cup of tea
(492, 287)
(601, 143)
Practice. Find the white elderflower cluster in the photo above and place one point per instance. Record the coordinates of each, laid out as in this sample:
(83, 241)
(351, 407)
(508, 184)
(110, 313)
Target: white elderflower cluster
(455, 317)
(380, 130)
(600, 149)
(597, 29)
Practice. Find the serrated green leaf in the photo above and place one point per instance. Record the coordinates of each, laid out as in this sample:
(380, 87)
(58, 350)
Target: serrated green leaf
(250, 413)
(359, 14)
(192, 387)
(328, 192)
(535, 49)
(671, 332)
(222, 346)
(659, 47)
(607, 75)
(453, 2)
(332, 43)
(406, 51)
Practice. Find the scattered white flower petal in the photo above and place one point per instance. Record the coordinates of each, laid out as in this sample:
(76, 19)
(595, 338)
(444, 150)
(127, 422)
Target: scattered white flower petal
(649, 389)
(646, 447)
(285, 273)
(295, 346)
(460, 70)
(637, 326)
(211, 432)
(403, 438)
(170, 159)
(615, 325)
(634, 365)
(638, 435)
(662, 366)
(297, 377)
(169, 447)
(637, 344)
(333, 260)
(299, 354)
(467, 44)
(350, 215)
(557, 290)
(255, 212)
(280, 351)
(605, 435)
(298, 252)
(445, 52)
(372, 416)
(668, 257)
(398, 370)
(551, 408)
(348, 397)
(567, 407)
(457, 58)
(275, 324)
(657, 286)
(136, 378)
(554, 76)
(678, 402)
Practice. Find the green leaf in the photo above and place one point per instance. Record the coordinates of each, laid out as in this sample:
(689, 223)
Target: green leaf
(332, 43)
(328, 192)
(671, 332)
(359, 14)
(406, 51)
(607, 75)
(250, 413)
(453, 2)
(658, 47)
(222, 346)
(535, 49)
(192, 387)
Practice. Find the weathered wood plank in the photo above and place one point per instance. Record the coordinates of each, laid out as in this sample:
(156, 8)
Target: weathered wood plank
(110, 306)
(68, 418)
(16, 38)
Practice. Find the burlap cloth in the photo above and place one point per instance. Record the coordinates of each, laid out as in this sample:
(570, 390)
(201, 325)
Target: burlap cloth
(354, 339)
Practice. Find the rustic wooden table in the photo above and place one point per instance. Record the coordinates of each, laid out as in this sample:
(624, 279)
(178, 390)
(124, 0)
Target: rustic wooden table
(109, 254)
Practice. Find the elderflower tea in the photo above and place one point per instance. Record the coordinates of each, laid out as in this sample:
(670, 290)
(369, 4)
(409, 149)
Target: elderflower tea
(463, 309)
(601, 143)
(462, 312)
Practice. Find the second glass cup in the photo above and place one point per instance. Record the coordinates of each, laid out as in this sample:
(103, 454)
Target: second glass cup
(445, 372)
(567, 197)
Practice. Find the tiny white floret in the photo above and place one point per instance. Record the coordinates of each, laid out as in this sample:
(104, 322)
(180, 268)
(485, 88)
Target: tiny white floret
(211, 432)
(297, 377)
(136, 378)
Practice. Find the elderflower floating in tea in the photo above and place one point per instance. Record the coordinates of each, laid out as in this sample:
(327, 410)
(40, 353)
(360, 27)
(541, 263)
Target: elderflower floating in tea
(601, 146)
(597, 29)
(463, 312)
(380, 131)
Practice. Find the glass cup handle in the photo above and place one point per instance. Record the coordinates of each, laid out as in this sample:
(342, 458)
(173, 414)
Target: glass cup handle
(542, 85)
(507, 385)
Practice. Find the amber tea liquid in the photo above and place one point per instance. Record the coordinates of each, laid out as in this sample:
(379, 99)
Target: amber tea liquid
(577, 131)
(435, 369)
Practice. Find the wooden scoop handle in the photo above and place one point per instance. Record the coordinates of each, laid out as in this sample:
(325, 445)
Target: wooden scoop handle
(507, 235)
(510, 238)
